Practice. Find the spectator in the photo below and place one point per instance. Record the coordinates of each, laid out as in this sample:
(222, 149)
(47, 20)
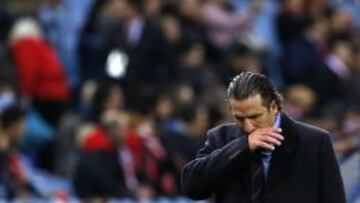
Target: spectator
(40, 74)
(7, 72)
(107, 171)
(341, 26)
(224, 25)
(340, 62)
(303, 61)
(144, 44)
(193, 69)
(107, 98)
(152, 9)
(14, 181)
(300, 102)
(292, 20)
(183, 144)
(174, 38)
(137, 137)
(191, 20)
(41, 80)
(101, 33)
(62, 22)
(240, 58)
(7, 96)
(165, 115)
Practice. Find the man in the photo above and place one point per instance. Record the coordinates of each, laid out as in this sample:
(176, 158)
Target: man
(13, 179)
(112, 160)
(266, 156)
(148, 69)
(12, 127)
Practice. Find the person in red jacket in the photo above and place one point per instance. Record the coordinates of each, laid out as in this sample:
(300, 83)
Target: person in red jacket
(40, 74)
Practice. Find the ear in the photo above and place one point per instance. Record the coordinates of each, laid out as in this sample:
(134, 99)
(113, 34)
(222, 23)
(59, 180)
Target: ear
(273, 107)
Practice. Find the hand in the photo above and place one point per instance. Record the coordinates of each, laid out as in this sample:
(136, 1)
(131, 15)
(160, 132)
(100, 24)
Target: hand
(265, 138)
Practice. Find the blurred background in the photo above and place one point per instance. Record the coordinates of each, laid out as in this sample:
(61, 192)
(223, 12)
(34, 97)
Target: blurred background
(106, 100)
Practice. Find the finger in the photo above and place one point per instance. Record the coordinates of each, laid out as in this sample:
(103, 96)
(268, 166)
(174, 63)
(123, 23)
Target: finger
(277, 130)
(274, 135)
(270, 130)
(271, 140)
(267, 146)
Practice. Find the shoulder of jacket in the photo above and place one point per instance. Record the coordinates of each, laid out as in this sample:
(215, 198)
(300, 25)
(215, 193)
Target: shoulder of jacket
(222, 128)
(222, 134)
(313, 132)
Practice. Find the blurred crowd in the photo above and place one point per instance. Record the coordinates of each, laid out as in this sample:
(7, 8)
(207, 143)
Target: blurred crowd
(104, 99)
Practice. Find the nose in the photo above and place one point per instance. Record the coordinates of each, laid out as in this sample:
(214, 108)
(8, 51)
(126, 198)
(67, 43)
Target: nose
(248, 126)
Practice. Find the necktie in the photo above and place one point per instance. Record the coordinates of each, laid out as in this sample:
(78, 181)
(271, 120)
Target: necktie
(257, 180)
(266, 158)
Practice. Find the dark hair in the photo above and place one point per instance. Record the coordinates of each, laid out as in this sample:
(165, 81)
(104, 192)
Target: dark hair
(240, 49)
(247, 84)
(11, 115)
(188, 112)
(102, 94)
(136, 4)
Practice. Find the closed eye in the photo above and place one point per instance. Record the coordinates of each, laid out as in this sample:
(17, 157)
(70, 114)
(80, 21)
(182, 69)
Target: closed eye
(239, 118)
(254, 116)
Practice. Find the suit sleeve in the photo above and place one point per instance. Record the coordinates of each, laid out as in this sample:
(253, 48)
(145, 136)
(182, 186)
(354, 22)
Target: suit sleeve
(332, 188)
(204, 175)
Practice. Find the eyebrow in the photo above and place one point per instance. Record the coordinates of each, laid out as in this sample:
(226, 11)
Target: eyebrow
(249, 116)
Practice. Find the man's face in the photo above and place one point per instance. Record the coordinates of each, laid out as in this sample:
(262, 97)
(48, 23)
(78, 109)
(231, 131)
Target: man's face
(17, 131)
(251, 114)
(120, 8)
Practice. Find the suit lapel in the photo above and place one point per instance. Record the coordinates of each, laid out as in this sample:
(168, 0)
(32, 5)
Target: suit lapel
(283, 157)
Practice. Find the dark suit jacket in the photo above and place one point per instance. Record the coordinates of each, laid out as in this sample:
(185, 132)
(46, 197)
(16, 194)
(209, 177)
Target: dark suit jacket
(303, 169)
(148, 71)
(147, 62)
